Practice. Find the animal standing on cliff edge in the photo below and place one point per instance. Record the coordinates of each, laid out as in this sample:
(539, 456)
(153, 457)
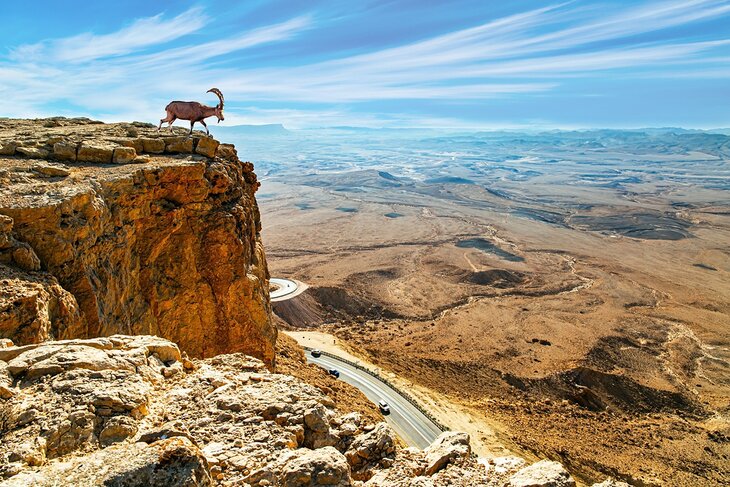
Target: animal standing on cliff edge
(193, 111)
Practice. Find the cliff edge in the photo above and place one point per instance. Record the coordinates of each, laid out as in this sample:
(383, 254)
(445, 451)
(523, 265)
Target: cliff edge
(116, 228)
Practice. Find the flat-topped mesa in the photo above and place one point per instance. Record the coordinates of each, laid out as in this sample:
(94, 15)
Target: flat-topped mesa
(116, 228)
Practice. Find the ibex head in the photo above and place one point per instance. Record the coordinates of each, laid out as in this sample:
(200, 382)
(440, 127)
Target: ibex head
(219, 107)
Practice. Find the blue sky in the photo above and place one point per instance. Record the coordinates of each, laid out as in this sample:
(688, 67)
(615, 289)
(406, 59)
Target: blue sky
(388, 63)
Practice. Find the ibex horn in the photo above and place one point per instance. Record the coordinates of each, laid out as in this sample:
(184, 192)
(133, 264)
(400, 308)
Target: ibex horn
(218, 93)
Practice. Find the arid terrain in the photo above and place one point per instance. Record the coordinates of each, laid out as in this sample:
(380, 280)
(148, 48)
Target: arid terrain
(113, 233)
(570, 287)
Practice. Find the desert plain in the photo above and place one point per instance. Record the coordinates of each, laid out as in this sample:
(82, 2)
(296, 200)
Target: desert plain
(570, 289)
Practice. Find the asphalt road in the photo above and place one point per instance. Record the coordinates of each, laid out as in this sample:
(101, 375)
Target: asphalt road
(286, 289)
(408, 422)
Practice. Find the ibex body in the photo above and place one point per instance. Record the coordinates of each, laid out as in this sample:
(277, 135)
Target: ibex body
(193, 111)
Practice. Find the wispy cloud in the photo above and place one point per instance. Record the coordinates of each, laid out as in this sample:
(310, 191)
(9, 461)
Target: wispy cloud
(141, 34)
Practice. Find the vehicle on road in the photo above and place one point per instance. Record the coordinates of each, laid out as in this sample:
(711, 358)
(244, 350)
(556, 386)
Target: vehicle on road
(334, 372)
(383, 406)
(316, 353)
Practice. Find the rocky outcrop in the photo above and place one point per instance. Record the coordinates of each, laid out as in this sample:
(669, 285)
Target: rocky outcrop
(132, 410)
(449, 447)
(114, 228)
(542, 474)
(173, 462)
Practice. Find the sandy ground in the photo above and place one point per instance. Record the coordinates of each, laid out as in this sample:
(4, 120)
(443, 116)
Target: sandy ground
(574, 305)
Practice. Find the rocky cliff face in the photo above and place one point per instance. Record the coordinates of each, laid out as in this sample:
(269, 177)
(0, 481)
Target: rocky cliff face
(116, 228)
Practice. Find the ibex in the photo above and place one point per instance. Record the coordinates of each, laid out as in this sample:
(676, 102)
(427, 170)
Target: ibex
(193, 111)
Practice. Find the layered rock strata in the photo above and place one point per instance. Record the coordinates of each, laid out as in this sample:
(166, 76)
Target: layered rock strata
(116, 228)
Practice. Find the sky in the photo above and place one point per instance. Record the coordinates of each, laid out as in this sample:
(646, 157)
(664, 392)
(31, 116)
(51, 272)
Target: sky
(482, 64)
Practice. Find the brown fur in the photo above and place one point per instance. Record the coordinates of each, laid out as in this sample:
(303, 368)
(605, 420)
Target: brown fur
(193, 111)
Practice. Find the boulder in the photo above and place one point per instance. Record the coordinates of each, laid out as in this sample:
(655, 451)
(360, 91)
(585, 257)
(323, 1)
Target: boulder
(91, 151)
(7, 147)
(6, 224)
(133, 142)
(124, 155)
(207, 146)
(153, 146)
(32, 152)
(178, 145)
(325, 466)
(25, 258)
(369, 448)
(64, 151)
(449, 447)
(544, 473)
(612, 483)
(317, 428)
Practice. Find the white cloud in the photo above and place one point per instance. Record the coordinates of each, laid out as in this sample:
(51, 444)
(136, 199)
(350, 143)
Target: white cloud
(88, 47)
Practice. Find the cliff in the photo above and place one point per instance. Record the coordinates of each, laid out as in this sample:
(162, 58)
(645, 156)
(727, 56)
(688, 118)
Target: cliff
(116, 228)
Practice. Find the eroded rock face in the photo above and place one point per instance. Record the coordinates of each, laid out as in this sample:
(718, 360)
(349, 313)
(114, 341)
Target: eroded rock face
(162, 240)
(172, 462)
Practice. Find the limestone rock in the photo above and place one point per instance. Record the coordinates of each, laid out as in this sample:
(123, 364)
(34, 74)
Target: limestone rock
(95, 152)
(168, 246)
(228, 152)
(175, 463)
(64, 151)
(116, 429)
(207, 146)
(612, 483)
(325, 466)
(317, 432)
(369, 449)
(544, 473)
(104, 412)
(6, 224)
(32, 152)
(503, 465)
(449, 447)
(7, 147)
(24, 257)
(178, 145)
(34, 307)
(52, 170)
(153, 146)
(167, 430)
(6, 382)
(124, 155)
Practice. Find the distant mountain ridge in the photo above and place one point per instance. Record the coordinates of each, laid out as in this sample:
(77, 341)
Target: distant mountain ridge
(265, 129)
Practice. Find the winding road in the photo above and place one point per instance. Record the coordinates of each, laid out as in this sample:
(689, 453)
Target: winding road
(286, 289)
(411, 425)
